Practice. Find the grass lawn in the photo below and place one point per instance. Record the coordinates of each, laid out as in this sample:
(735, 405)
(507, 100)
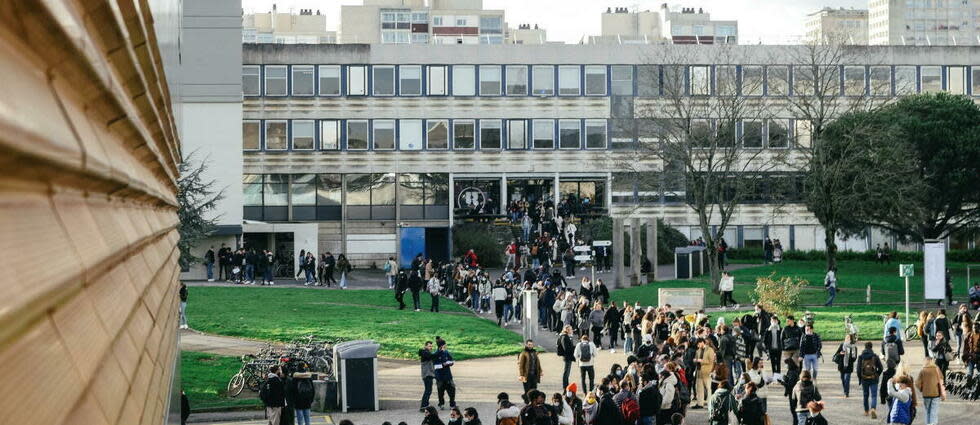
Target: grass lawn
(853, 277)
(284, 314)
(204, 378)
(829, 321)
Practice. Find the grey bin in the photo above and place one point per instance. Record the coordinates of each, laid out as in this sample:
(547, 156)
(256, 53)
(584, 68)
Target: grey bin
(356, 369)
(325, 396)
(689, 262)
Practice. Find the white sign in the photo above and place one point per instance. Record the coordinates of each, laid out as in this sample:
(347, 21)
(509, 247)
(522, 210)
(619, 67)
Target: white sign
(934, 254)
(584, 248)
(583, 258)
(601, 243)
(688, 299)
(906, 270)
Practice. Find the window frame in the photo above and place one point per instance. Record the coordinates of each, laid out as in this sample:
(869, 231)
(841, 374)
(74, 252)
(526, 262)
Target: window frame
(500, 133)
(319, 80)
(575, 70)
(367, 135)
(507, 80)
(707, 80)
(847, 80)
(361, 72)
(922, 77)
(762, 133)
(543, 123)
(265, 135)
(613, 81)
(374, 80)
(417, 133)
(432, 124)
(578, 130)
(338, 136)
(285, 79)
(594, 123)
(430, 76)
(258, 79)
(787, 83)
(605, 79)
(472, 80)
(258, 135)
(402, 78)
(735, 80)
(888, 79)
(374, 134)
(545, 70)
(523, 133)
(948, 77)
(480, 80)
(768, 134)
(292, 134)
(761, 90)
(473, 137)
(899, 72)
(292, 76)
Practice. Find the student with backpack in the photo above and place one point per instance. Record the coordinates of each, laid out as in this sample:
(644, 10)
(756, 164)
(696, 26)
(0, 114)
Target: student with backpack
(804, 392)
(626, 400)
(869, 370)
(272, 394)
(300, 395)
(649, 397)
(585, 352)
(566, 351)
(892, 348)
(751, 409)
(722, 403)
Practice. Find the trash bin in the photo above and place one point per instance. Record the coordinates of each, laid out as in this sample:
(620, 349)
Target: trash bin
(325, 398)
(688, 262)
(356, 368)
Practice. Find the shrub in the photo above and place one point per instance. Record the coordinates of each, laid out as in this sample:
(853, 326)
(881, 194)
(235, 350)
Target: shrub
(781, 296)
(486, 240)
(971, 255)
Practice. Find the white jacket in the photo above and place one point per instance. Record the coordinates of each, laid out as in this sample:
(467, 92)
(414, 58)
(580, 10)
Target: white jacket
(727, 283)
(434, 286)
(510, 412)
(565, 417)
(666, 387)
(578, 353)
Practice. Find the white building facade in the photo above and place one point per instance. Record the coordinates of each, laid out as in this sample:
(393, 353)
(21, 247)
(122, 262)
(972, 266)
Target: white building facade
(924, 22)
(841, 25)
(415, 22)
(689, 25)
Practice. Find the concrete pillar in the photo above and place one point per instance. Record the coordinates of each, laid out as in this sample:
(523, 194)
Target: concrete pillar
(618, 249)
(529, 318)
(504, 202)
(652, 248)
(636, 253)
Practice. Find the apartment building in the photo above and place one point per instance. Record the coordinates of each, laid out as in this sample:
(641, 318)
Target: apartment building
(378, 148)
(690, 25)
(415, 22)
(307, 27)
(526, 34)
(924, 22)
(841, 25)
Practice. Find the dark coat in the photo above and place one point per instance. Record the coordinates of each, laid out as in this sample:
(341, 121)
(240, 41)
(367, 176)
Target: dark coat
(297, 400)
(277, 392)
(608, 413)
(750, 410)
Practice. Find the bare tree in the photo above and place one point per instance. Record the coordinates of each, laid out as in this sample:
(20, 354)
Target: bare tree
(704, 137)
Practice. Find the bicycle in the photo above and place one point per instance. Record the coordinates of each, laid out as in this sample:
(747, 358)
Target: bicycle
(249, 376)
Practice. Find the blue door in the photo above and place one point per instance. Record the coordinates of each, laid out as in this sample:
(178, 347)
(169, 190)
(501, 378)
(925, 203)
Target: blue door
(412, 244)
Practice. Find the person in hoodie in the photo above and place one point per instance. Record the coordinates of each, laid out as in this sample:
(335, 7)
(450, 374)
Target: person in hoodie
(275, 401)
(722, 403)
(564, 411)
(442, 362)
(904, 400)
(507, 412)
(607, 412)
(804, 392)
(750, 406)
(791, 336)
(649, 396)
(299, 395)
(434, 288)
(471, 417)
(810, 350)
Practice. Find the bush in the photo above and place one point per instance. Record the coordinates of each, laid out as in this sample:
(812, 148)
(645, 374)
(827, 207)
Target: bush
(668, 238)
(972, 255)
(485, 239)
(780, 296)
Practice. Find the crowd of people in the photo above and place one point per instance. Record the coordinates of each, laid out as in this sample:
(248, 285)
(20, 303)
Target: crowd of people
(247, 265)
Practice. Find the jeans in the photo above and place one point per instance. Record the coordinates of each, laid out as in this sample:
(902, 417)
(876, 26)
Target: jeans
(510, 262)
(343, 280)
(210, 268)
(845, 380)
(444, 387)
(475, 300)
(508, 311)
(526, 233)
(932, 410)
(969, 368)
(302, 416)
(810, 363)
(268, 273)
(735, 371)
(564, 375)
(415, 300)
(435, 303)
(427, 391)
(831, 294)
(590, 372)
(801, 417)
(391, 281)
(536, 262)
(628, 344)
(648, 420)
(250, 272)
(183, 317)
(870, 391)
(597, 336)
(309, 276)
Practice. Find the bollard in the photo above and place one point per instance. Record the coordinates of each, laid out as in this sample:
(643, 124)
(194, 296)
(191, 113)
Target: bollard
(867, 298)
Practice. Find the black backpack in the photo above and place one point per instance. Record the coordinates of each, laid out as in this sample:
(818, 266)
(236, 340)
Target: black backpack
(264, 391)
(585, 352)
(305, 391)
(682, 395)
(807, 394)
(561, 347)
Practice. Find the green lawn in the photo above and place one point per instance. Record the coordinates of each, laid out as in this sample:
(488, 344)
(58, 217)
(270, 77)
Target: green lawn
(829, 322)
(284, 314)
(204, 378)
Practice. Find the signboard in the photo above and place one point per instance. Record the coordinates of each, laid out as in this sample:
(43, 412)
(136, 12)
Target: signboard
(906, 270)
(935, 269)
(601, 243)
(583, 258)
(688, 299)
(583, 248)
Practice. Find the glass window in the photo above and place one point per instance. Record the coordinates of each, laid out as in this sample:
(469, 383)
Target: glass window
(328, 189)
(802, 132)
(905, 80)
(303, 135)
(725, 80)
(544, 134)
(303, 189)
(250, 80)
(975, 80)
(491, 24)
(648, 80)
(778, 133)
(358, 189)
(329, 135)
(252, 190)
(956, 79)
(409, 135)
(516, 134)
(803, 81)
(777, 80)
(752, 134)
(932, 80)
(544, 80)
(410, 80)
(727, 136)
(329, 80)
(569, 80)
(752, 80)
(829, 81)
(516, 80)
(464, 132)
(569, 134)
(621, 80)
(384, 80)
(489, 80)
(275, 80)
(384, 134)
(356, 80)
(881, 80)
(673, 80)
(437, 134)
(595, 134)
(700, 83)
(275, 135)
(701, 133)
(595, 80)
(357, 135)
(251, 135)
(411, 190)
(464, 80)
(302, 80)
(437, 81)
(275, 192)
(490, 134)
(854, 84)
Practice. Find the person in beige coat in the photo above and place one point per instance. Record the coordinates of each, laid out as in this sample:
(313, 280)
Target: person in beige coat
(705, 359)
(932, 388)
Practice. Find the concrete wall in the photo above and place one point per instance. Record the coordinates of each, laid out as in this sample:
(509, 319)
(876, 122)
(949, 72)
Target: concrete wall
(88, 145)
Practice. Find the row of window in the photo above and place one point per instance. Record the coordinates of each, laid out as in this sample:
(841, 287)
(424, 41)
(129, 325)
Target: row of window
(602, 80)
(415, 134)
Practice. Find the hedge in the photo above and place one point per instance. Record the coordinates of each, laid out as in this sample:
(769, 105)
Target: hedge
(964, 256)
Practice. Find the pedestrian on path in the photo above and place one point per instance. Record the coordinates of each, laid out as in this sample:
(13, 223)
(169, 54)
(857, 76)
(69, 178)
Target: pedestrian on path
(183, 306)
(345, 269)
(933, 389)
(585, 354)
(415, 285)
(845, 357)
(830, 281)
(704, 360)
(391, 271)
(727, 285)
(442, 363)
(529, 370)
(434, 287)
(566, 351)
(811, 349)
(428, 373)
(903, 400)
(869, 370)
(804, 392)
(209, 263)
(300, 394)
(272, 394)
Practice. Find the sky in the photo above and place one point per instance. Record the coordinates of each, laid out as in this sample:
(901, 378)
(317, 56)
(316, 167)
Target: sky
(766, 21)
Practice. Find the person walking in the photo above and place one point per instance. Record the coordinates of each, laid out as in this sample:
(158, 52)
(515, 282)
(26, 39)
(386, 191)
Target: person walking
(345, 268)
(428, 373)
(722, 403)
(804, 392)
(830, 281)
(300, 394)
(751, 408)
(596, 321)
(585, 354)
(727, 285)
(810, 350)
(791, 337)
(844, 357)
(529, 368)
(442, 362)
(971, 349)
(182, 293)
(209, 263)
(415, 285)
(869, 370)
(612, 321)
(391, 271)
(932, 388)
(434, 288)
(499, 292)
(768, 248)
(772, 340)
(704, 360)
(510, 251)
(903, 400)
(309, 268)
(566, 351)
(329, 266)
(941, 351)
(273, 395)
